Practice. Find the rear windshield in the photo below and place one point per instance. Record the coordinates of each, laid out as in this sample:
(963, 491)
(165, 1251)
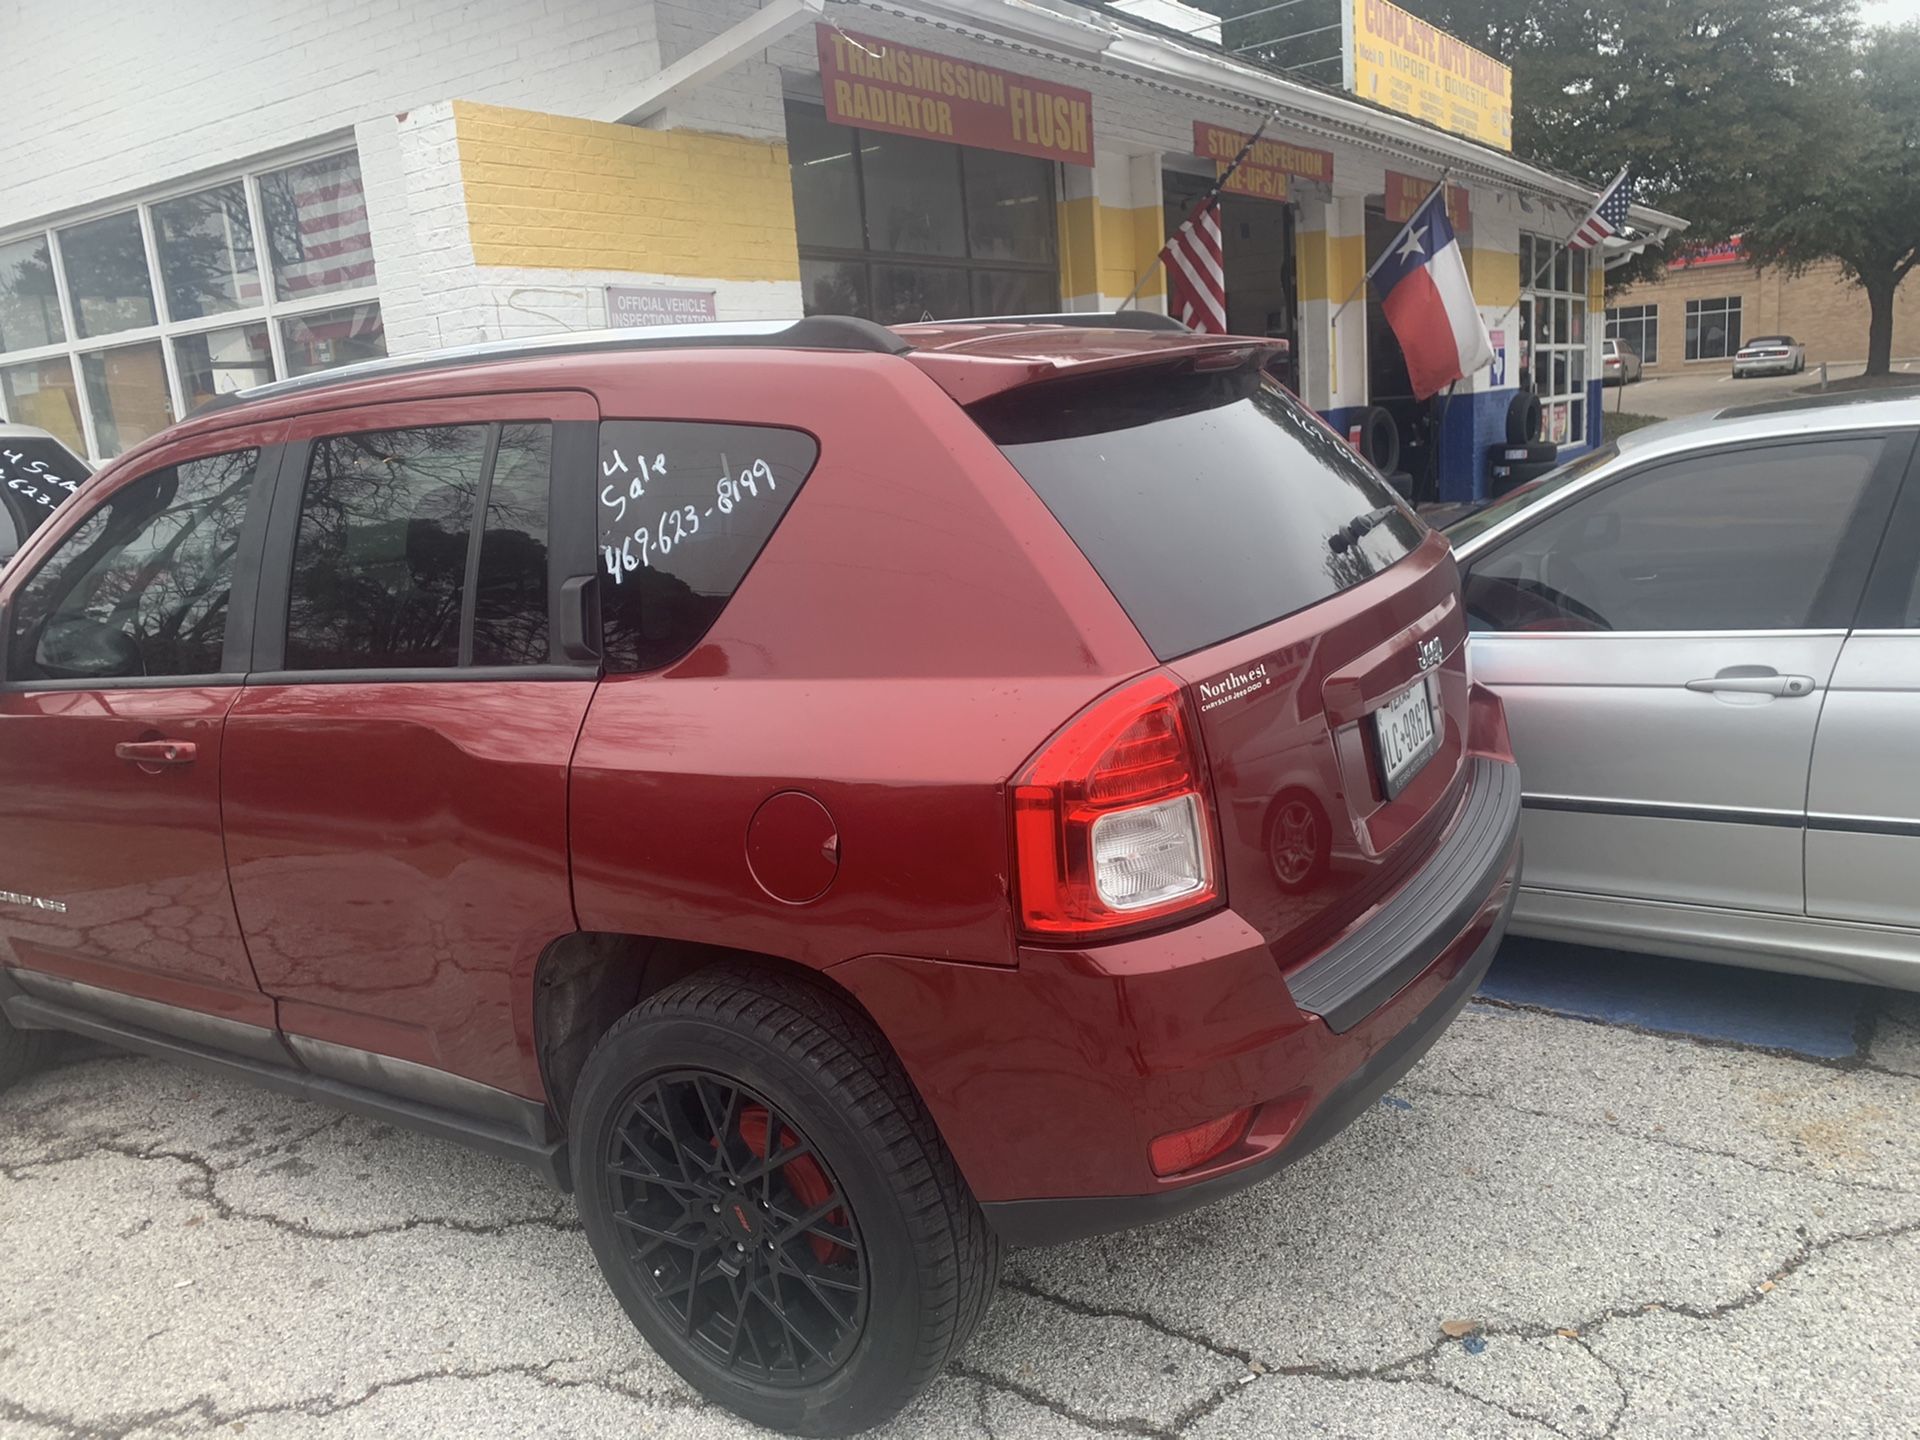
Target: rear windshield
(1210, 503)
(35, 476)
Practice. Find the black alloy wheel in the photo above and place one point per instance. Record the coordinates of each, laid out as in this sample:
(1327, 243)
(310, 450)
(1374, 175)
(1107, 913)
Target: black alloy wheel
(772, 1204)
(737, 1228)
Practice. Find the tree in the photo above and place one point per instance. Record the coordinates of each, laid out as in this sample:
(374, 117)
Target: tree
(1706, 101)
(1854, 193)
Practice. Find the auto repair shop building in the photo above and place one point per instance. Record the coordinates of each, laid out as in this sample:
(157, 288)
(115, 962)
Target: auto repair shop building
(193, 208)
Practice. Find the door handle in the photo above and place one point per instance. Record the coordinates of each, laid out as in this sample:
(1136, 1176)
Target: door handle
(1785, 686)
(150, 754)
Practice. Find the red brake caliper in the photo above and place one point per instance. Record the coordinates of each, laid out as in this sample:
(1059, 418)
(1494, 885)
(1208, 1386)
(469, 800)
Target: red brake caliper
(803, 1174)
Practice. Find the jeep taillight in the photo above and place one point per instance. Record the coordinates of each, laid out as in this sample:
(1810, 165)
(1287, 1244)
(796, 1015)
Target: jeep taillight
(1112, 827)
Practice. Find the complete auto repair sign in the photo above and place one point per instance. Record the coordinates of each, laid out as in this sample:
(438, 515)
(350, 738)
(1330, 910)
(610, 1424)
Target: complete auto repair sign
(884, 85)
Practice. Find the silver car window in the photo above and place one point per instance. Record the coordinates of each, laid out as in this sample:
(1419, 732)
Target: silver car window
(1735, 540)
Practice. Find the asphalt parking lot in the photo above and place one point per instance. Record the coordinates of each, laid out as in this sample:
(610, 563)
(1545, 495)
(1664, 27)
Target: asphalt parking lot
(1566, 1221)
(1712, 387)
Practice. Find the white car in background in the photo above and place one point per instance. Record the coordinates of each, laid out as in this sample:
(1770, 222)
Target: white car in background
(1770, 355)
(37, 472)
(1620, 363)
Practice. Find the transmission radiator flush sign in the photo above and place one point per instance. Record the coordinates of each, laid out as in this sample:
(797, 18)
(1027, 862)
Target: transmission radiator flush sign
(883, 85)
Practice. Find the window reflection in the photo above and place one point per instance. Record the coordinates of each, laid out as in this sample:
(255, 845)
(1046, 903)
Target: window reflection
(141, 586)
(510, 599)
(206, 252)
(29, 308)
(127, 393)
(379, 566)
(107, 279)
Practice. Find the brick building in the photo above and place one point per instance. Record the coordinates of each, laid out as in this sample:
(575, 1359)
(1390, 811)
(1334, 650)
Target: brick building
(1707, 304)
(193, 205)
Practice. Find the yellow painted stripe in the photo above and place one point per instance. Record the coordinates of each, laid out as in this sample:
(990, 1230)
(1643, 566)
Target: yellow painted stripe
(555, 192)
(1495, 275)
(1130, 239)
(1079, 246)
(1330, 265)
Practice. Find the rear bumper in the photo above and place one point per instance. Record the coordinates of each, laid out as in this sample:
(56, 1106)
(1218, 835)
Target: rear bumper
(1050, 1080)
(1763, 367)
(1053, 1222)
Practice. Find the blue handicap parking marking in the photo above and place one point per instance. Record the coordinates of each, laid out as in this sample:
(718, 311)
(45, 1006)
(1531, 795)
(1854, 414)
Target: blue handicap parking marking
(1821, 1018)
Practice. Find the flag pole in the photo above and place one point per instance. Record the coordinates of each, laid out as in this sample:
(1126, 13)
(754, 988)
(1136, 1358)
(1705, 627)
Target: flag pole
(1204, 201)
(1554, 253)
(1392, 245)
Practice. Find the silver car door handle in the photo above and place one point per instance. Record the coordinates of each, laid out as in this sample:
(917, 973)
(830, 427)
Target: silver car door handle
(1781, 685)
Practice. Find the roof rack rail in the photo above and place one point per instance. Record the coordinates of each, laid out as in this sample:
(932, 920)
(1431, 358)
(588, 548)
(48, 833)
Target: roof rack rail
(815, 332)
(1089, 319)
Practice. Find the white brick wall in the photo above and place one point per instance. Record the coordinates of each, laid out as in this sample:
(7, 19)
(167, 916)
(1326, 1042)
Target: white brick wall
(126, 95)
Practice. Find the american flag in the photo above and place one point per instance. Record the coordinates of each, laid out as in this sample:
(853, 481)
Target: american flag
(1608, 217)
(1197, 283)
(332, 245)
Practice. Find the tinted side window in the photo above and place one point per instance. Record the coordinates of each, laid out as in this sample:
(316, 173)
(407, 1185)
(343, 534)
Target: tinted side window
(684, 510)
(510, 589)
(380, 564)
(1750, 539)
(141, 586)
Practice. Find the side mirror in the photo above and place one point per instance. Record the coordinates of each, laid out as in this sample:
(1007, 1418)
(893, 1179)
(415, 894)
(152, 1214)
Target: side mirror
(86, 650)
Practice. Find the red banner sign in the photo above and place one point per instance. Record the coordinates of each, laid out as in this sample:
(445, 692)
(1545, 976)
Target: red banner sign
(1405, 192)
(1266, 171)
(1726, 252)
(884, 85)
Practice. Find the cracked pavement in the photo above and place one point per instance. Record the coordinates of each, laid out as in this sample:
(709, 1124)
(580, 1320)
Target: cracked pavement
(1650, 1237)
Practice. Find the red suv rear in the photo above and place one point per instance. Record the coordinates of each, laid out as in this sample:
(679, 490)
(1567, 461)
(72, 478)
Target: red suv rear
(839, 800)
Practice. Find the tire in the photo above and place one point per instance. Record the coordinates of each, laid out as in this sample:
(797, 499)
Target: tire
(919, 1254)
(1511, 477)
(1523, 419)
(22, 1052)
(1529, 454)
(1380, 439)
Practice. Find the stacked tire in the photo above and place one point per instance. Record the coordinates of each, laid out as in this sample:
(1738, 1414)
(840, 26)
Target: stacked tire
(1523, 456)
(1515, 465)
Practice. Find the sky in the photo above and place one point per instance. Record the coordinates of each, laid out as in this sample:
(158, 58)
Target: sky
(1889, 12)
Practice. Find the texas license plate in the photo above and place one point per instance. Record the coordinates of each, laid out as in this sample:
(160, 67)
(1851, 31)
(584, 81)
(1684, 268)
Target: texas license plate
(1404, 731)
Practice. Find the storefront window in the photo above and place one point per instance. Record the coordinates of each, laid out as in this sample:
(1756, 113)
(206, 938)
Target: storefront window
(29, 308)
(333, 337)
(826, 192)
(316, 223)
(913, 195)
(107, 279)
(1009, 206)
(1713, 328)
(218, 325)
(1638, 328)
(899, 229)
(219, 362)
(42, 393)
(1553, 334)
(127, 393)
(206, 253)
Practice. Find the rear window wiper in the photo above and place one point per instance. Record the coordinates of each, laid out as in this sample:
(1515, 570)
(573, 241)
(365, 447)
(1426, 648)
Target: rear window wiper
(1349, 535)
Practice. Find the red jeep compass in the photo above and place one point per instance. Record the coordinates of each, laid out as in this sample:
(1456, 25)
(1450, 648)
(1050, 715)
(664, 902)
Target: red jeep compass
(840, 800)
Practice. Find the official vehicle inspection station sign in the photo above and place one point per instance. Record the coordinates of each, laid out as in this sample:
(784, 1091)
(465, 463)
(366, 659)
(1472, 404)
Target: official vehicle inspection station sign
(883, 85)
(1269, 167)
(1400, 61)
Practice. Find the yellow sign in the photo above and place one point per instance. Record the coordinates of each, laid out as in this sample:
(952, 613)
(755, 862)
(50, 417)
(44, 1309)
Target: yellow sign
(1399, 61)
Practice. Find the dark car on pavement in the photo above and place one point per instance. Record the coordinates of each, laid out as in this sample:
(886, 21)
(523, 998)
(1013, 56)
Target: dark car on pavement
(838, 800)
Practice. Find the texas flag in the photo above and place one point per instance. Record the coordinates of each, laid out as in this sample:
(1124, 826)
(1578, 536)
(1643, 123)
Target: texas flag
(1423, 288)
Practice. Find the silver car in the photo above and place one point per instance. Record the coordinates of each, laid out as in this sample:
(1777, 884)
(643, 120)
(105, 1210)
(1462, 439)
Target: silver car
(1708, 642)
(1770, 355)
(1619, 363)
